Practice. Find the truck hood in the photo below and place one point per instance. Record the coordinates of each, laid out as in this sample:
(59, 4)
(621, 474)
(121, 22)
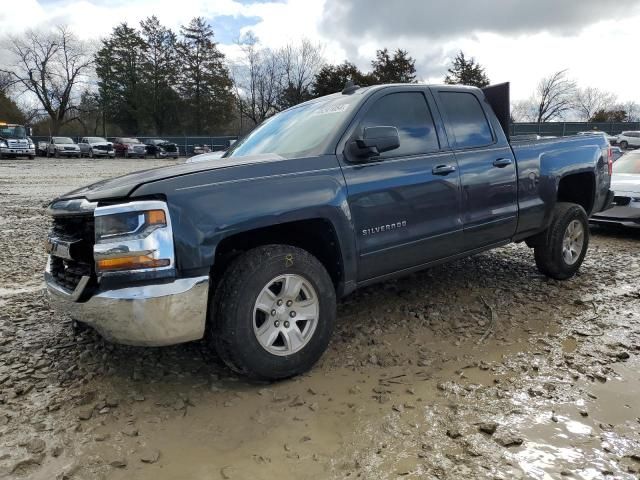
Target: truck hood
(121, 187)
(98, 144)
(625, 182)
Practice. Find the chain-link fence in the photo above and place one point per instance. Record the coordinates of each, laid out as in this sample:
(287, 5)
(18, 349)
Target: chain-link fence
(186, 145)
(560, 129)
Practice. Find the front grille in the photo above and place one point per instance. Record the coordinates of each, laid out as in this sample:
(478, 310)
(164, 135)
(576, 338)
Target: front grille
(78, 229)
(102, 147)
(139, 149)
(69, 148)
(621, 201)
(170, 148)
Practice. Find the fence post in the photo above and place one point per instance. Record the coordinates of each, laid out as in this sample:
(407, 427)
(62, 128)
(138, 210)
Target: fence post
(564, 128)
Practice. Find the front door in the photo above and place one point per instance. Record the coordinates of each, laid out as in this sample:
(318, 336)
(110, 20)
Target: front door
(405, 203)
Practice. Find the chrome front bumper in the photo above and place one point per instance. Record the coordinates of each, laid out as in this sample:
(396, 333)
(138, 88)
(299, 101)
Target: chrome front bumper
(18, 151)
(149, 315)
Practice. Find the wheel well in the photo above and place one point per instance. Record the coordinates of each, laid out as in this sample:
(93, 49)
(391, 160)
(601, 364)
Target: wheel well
(317, 236)
(578, 188)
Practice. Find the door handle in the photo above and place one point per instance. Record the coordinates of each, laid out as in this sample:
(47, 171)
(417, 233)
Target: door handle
(443, 169)
(502, 162)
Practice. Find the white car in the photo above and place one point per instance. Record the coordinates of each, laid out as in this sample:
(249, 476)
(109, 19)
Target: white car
(629, 139)
(63, 146)
(96, 147)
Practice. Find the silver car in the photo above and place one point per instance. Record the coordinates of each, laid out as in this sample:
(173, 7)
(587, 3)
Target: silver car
(626, 186)
(63, 146)
(96, 147)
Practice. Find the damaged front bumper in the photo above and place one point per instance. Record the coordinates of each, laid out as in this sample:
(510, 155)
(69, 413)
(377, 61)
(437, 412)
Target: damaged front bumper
(149, 315)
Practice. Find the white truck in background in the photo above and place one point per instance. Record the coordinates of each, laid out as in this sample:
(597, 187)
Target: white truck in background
(15, 141)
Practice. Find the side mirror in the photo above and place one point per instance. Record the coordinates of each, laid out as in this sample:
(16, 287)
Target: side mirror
(375, 140)
(29, 131)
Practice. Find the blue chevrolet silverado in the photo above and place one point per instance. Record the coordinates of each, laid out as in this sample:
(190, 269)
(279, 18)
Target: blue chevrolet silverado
(251, 251)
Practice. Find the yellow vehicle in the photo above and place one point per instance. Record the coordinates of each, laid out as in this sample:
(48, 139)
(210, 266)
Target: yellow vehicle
(15, 141)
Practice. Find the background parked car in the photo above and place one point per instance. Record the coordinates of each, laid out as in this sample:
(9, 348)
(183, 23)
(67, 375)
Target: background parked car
(63, 146)
(161, 148)
(96, 147)
(42, 147)
(629, 140)
(129, 147)
(200, 149)
(625, 182)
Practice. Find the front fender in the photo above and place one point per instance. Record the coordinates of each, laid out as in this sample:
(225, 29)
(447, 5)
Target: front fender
(208, 207)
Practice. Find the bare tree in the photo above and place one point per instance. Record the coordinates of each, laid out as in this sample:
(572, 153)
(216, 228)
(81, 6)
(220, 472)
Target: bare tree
(589, 100)
(633, 111)
(524, 111)
(257, 80)
(555, 96)
(268, 81)
(300, 65)
(49, 65)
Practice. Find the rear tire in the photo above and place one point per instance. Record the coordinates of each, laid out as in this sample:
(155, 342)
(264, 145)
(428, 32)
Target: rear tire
(263, 339)
(560, 250)
(624, 144)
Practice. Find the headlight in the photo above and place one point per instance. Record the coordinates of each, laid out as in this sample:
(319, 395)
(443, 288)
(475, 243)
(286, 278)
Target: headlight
(133, 236)
(3, 144)
(133, 225)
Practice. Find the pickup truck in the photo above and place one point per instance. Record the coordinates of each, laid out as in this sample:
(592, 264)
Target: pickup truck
(251, 251)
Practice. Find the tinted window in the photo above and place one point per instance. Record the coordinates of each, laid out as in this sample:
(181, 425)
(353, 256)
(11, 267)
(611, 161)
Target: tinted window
(409, 113)
(466, 119)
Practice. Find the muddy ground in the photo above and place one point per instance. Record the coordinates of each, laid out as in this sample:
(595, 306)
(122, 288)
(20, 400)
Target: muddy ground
(481, 368)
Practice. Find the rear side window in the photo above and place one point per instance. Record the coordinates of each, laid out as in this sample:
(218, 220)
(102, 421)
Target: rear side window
(466, 119)
(409, 113)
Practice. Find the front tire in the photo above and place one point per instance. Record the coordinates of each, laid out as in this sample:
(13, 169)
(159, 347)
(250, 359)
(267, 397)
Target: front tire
(561, 249)
(273, 312)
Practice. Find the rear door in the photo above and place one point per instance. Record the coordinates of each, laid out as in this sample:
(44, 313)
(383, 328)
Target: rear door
(406, 212)
(487, 167)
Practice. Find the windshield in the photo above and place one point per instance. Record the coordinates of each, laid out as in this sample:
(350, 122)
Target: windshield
(96, 139)
(13, 131)
(299, 130)
(63, 140)
(629, 163)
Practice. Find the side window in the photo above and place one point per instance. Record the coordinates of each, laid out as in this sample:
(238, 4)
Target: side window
(466, 119)
(409, 113)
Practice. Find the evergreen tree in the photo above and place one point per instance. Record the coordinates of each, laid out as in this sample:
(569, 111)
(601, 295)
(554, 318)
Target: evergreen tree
(204, 83)
(9, 111)
(396, 68)
(160, 71)
(466, 72)
(332, 78)
(119, 66)
(613, 115)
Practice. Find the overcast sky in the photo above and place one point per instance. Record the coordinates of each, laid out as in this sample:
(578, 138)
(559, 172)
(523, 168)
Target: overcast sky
(516, 40)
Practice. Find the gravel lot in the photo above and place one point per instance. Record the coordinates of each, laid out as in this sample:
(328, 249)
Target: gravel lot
(478, 369)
